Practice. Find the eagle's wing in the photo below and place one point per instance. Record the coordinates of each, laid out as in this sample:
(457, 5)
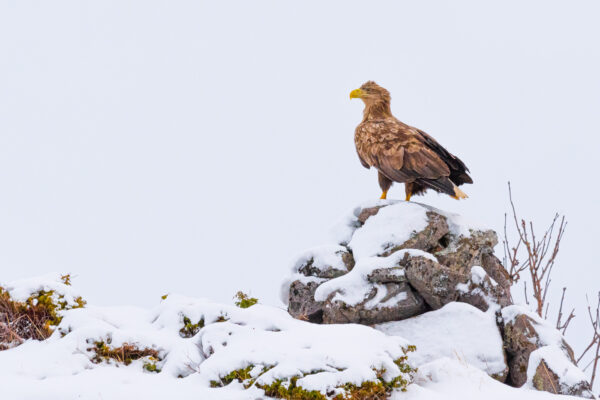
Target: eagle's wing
(458, 169)
(398, 151)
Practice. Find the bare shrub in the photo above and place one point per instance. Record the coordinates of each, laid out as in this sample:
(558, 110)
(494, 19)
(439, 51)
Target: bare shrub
(537, 255)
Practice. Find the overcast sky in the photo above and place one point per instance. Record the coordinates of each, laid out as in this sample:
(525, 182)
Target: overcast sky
(152, 147)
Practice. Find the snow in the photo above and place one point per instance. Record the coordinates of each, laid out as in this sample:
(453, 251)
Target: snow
(344, 353)
(399, 220)
(478, 274)
(323, 257)
(20, 290)
(391, 226)
(452, 379)
(457, 346)
(353, 287)
(457, 330)
(60, 367)
(342, 231)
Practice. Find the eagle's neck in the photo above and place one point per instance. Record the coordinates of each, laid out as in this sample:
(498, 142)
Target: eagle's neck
(378, 110)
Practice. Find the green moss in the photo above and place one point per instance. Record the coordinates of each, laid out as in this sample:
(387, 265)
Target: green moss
(288, 388)
(190, 329)
(150, 366)
(240, 375)
(283, 389)
(244, 301)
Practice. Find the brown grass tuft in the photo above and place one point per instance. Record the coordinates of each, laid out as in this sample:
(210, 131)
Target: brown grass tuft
(34, 318)
(125, 354)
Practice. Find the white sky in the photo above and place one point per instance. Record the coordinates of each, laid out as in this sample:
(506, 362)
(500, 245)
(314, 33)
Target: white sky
(151, 147)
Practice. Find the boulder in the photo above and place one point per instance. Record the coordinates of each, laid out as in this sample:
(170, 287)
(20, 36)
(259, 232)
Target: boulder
(302, 303)
(391, 301)
(539, 356)
(311, 269)
(450, 250)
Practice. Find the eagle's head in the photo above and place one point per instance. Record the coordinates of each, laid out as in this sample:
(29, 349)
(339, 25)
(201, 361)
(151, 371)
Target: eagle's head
(371, 93)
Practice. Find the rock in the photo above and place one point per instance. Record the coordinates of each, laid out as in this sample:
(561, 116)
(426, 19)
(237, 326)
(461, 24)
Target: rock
(440, 285)
(555, 376)
(312, 268)
(465, 252)
(435, 282)
(538, 354)
(429, 238)
(403, 303)
(386, 275)
(520, 340)
(302, 303)
(365, 213)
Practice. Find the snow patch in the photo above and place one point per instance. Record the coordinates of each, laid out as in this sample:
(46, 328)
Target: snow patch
(20, 290)
(391, 226)
(457, 330)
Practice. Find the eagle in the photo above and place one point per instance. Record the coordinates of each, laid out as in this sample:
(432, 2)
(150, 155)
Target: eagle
(402, 153)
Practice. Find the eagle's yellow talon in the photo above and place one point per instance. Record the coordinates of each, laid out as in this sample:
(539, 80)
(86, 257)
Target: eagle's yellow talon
(459, 194)
(408, 196)
(383, 195)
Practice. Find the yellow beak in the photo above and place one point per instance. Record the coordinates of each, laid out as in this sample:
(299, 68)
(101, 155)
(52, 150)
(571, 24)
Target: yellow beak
(355, 94)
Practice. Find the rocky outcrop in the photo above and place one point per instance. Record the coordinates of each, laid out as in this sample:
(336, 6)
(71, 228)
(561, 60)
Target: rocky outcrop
(538, 355)
(392, 278)
(395, 260)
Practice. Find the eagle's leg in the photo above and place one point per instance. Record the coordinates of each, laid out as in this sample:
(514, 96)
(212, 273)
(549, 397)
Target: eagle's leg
(408, 189)
(384, 183)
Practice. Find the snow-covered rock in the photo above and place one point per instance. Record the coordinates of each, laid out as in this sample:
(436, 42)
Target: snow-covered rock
(406, 257)
(539, 355)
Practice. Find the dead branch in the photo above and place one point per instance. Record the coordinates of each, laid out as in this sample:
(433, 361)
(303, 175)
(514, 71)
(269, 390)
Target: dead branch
(595, 341)
(562, 326)
(540, 253)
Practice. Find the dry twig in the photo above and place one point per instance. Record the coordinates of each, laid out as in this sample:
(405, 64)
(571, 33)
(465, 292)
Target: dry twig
(540, 253)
